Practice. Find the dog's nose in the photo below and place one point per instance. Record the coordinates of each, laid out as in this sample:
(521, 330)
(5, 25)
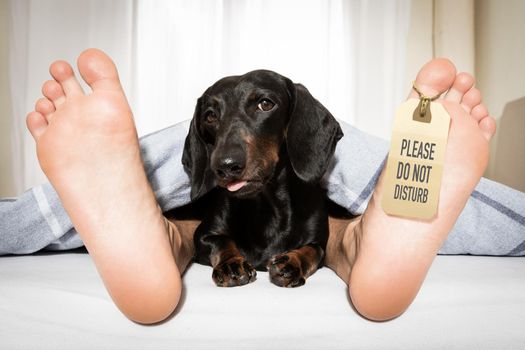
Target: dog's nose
(230, 167)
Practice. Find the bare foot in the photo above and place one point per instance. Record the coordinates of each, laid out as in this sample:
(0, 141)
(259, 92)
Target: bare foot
(385, 258)
(87, 146)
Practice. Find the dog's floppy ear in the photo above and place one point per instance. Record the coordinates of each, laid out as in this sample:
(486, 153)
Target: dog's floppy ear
(311, 136)
(196, 160)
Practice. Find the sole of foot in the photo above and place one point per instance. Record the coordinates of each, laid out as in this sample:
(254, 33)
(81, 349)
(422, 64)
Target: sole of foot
(385, 258)
(88, 148)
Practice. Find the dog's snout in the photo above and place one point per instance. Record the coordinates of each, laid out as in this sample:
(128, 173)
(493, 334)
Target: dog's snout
(230, 166)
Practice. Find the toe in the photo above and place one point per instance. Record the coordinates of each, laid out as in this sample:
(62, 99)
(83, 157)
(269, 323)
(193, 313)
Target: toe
(44, 107)
(435, 77)
(36, 123)
(53, 91)
(98, 70)
(461, 85)
(63, 73)
(488, 127)
(471, 99)
(479, 112)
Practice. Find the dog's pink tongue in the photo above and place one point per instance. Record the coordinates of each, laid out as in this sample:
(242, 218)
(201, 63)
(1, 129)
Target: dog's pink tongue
(235, 186)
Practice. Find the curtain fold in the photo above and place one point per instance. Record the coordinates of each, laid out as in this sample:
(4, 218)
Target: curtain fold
(349, 54)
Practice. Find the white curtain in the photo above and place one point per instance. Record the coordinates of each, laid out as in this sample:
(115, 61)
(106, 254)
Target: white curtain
(46, 30)
(349, 54)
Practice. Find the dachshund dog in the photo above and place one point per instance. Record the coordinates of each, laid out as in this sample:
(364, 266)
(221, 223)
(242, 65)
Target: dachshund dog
(258, 146)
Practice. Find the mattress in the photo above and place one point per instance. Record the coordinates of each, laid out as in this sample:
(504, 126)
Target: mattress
(57, 301)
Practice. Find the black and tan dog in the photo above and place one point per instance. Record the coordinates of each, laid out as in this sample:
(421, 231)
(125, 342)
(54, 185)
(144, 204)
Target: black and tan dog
(260, 144)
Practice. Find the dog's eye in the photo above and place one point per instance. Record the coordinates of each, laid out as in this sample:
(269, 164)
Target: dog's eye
(265, 105)
(210, 117)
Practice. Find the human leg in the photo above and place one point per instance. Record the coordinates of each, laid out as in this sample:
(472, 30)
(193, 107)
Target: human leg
(492, 223)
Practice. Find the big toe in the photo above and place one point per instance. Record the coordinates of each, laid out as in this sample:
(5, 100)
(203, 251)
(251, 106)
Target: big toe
(98, 70)
(435, 77)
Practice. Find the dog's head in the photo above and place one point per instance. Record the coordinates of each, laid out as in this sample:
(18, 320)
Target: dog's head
(241, 123)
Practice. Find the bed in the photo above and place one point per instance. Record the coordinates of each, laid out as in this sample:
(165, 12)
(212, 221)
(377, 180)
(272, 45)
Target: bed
(57, 301)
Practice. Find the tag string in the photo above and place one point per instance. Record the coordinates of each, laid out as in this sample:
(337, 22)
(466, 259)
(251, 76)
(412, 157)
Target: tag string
(425, 100)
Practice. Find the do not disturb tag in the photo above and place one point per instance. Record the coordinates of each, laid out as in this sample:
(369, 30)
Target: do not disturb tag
(415, 162)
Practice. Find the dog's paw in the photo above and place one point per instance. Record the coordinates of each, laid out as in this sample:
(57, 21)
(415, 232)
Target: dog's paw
(285, 270)
(233, 272)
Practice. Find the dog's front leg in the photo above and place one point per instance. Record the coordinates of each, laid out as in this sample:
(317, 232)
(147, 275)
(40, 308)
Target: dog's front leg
(230, 268)
(291, 269)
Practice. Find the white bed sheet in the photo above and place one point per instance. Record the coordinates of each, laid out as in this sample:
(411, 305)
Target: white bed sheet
(57, 301)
